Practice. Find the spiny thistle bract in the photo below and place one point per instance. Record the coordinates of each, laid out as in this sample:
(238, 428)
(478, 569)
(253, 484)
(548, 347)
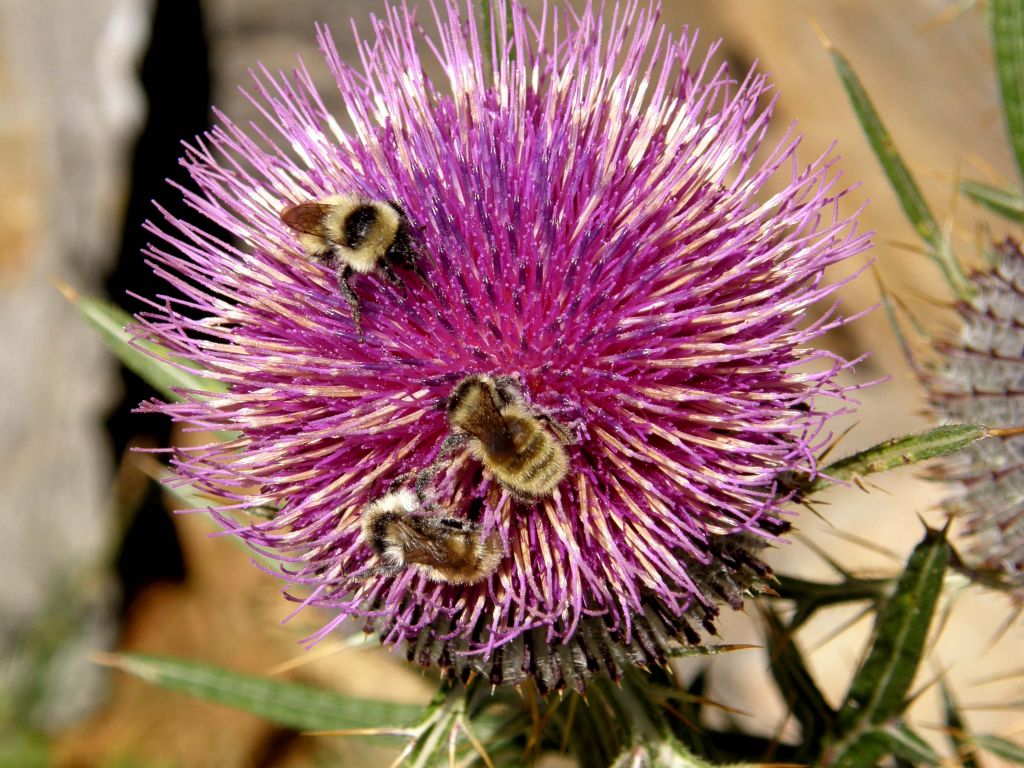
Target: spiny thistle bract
(591, 220)
(978, 380)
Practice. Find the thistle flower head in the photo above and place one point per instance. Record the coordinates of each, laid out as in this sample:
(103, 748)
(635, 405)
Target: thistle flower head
(977, 380)
(590, 211)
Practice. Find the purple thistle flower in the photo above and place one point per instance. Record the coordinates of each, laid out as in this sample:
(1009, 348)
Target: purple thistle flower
(594, 222)
(978, 380)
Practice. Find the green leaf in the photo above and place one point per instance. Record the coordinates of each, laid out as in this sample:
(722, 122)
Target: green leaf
(879, 688)
(866, 749)
(585, 728)
(1008, 44)
(872, 744)
(904, 743)
(665, 753)
(293, 705)
(455, 720)
(707, 650)
(898, 452)
(1000, 747)
(900, 178)
(812, 596)
(796, 685)
(1007, 203)
(164, 377)
(957, 732)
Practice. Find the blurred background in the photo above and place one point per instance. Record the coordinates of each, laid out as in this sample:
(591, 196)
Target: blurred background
(95, 98)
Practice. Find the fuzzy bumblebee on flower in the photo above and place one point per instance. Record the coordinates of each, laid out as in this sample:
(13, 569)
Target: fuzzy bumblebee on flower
(518, 355)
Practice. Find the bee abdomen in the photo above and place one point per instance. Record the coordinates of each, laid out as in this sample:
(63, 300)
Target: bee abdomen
(539, 471)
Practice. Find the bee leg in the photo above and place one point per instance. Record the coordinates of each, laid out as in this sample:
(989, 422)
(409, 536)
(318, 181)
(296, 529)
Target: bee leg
(382, 570)
(399, 481)
(443, 526)
(424, 477)
(565, 437)
(414, 265)
(350, 296)
(389, 272)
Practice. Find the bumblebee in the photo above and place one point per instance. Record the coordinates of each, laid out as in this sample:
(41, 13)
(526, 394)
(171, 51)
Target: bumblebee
(447, 549)
(522, 448)
(354, 235)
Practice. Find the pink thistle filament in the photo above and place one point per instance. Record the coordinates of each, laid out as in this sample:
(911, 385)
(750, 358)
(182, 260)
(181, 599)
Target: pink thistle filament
(590, 212)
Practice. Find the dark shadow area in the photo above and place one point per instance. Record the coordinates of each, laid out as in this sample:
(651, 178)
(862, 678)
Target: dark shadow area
(176, 78)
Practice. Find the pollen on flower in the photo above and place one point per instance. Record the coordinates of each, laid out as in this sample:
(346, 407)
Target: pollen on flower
(590, 248)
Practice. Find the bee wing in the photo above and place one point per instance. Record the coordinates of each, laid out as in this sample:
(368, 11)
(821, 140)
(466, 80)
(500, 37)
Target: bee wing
(473, 409)
(307, 218)
(438, 541)
(520, 433)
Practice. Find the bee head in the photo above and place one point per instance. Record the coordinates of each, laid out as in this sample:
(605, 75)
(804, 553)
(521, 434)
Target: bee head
(466, 388)
(507, 390)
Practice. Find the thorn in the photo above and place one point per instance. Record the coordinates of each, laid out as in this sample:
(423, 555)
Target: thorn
(65, 288)
(819, 31)
(866, 611)
(321, 651)
(834, 443)
(869, 545)
(112, 660)
(939, 674)
(478, 747)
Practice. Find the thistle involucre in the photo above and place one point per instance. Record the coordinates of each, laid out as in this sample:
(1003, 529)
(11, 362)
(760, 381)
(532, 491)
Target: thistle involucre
(979, 380)
(590, 220)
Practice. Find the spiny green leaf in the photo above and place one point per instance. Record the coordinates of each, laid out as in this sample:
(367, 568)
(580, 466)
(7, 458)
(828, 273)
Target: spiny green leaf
(796, 685)
(164, 377)
(1000, 747)
(454, 713)
(900, 178)
(587, 729)
(899, 452)
(867, 748)
(812, 596)
(956, 730)
(870, 745)
(708, 650)
(878, 691)
(1008, 44)
(905, 743)
(289, 704)
(666, 753)
(1007, 203)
